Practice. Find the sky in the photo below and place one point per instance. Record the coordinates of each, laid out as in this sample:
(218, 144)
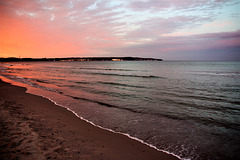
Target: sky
(167, 29)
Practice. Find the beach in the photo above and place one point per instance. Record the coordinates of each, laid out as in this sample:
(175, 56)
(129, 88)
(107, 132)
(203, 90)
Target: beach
(187, 109)
(33, 127)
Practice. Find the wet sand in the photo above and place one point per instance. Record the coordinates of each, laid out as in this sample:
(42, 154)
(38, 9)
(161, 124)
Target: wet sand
(32, 127)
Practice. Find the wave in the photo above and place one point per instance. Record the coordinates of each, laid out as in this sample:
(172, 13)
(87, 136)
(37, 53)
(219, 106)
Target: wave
(204, 108)
(210, 99)
(41, 81)
(107, 104)
(122, 84)
(225, 74)
(81, 82)
(107, 69)
(93, 101)
(60, 67)
(200, 97)
(31, 82)
(110, 83)
(171, 115)
(101, 92)
(123, 75)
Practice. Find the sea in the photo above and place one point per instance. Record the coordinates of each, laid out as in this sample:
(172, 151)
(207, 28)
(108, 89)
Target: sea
(188, 109)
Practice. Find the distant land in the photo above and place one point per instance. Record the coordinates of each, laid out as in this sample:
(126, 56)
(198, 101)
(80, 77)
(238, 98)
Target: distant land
(14, 59)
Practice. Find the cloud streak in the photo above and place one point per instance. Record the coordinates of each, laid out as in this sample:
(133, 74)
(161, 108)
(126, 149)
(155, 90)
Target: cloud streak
(212, 46)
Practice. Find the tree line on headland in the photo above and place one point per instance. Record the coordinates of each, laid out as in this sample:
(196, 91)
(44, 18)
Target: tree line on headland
(14, 59)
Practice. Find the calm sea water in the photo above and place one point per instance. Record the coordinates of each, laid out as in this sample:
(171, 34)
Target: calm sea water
(191, 109)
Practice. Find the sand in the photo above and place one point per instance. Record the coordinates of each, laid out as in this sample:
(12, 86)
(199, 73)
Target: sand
(32, 127)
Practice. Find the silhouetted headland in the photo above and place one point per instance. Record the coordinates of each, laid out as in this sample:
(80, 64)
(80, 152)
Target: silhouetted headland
(13, 59)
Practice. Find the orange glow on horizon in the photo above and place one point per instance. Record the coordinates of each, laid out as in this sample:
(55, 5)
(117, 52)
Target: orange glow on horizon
(25, 39)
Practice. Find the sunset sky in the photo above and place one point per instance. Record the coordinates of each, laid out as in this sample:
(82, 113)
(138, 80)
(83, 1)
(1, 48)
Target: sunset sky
(167, 29)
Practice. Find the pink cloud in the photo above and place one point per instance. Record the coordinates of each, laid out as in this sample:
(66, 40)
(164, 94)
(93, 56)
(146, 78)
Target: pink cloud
(154, 28)
(139, 5)
(187, 46)
(51, 32)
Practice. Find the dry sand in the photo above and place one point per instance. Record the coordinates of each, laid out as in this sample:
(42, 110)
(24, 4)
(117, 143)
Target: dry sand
(32, 127)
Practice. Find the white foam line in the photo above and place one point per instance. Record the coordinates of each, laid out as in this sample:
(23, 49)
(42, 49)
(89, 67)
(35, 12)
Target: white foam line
(125, 134)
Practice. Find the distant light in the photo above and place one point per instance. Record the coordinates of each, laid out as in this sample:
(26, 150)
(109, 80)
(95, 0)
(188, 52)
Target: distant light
(117, 60)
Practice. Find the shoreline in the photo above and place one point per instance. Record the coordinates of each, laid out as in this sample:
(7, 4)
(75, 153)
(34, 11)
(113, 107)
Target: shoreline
(51, 131)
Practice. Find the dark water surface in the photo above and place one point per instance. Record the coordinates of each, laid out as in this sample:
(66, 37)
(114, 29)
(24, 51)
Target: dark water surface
(191, 109)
